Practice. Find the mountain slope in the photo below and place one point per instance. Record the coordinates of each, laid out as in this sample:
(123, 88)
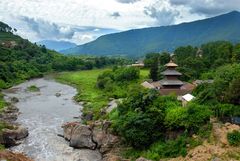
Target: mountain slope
(165, 38)
(57, 45)
(20, 59)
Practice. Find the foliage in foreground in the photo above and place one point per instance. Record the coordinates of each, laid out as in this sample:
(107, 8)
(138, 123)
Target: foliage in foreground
(144, 117)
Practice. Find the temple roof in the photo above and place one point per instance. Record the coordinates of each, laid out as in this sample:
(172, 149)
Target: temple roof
(171, 64)
(166, 82)
(171, 72)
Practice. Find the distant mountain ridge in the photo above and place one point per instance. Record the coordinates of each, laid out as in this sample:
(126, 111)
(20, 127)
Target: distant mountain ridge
(166, 38)
(57, 45)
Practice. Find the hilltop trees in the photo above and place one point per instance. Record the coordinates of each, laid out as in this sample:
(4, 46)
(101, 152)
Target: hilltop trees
(5, 28)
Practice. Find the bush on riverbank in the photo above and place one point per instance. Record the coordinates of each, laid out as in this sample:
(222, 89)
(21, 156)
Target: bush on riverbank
(33, 88)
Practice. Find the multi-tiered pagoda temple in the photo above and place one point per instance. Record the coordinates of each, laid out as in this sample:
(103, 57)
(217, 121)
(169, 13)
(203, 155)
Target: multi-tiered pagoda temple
(170, 83)
(171, 80)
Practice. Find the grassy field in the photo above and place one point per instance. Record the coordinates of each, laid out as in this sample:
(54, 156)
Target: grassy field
(85, 82)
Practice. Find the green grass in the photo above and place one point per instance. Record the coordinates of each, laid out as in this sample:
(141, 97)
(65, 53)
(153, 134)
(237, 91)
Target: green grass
(2, 102)
(33, 88)
(85, 82)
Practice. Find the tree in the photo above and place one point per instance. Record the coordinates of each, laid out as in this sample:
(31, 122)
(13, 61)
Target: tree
(232, 95)
(154, 70)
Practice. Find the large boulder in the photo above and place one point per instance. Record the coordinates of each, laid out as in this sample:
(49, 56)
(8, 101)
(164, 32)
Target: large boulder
(80, 136)
(95, 136)
(68, 129)
(11, 137)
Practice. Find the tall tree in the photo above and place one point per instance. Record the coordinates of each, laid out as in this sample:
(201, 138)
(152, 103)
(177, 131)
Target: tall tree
(154, 70)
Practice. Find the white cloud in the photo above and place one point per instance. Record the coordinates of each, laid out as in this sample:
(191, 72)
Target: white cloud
(74, 19)
(208, 7)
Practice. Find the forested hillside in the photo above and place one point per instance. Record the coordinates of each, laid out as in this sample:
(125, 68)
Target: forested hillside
(21, 60)
(166, 38)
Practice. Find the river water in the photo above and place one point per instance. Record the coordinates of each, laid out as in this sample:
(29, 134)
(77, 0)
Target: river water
(44, 113)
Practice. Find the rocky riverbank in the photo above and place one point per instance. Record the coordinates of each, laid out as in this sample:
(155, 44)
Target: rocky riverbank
(12, 134)
(94, 136)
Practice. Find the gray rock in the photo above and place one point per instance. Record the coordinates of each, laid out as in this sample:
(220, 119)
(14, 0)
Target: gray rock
(58, 94)
(14, 100)
(82, 137)
(67, 129)
(105, 141)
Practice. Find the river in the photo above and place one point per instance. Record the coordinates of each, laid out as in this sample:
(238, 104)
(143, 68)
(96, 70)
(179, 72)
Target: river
(44, 113)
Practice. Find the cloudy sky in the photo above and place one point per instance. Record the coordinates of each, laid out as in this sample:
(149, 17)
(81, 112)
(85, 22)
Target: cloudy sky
(81, 21)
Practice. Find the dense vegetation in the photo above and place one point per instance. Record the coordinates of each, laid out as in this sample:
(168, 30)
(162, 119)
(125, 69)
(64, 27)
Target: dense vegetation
(145, 116)
(138, 42)
(144, 119)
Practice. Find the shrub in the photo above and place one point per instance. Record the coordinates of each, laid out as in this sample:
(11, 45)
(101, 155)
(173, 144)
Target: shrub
(175, 117)
(191, 117)
(234, 138)
(2, 84)
(197, 115)
(139, 121)
(33, 88)
(126, 74)
(166, 149)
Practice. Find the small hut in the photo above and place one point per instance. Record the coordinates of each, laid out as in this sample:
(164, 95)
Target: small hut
(187, 98)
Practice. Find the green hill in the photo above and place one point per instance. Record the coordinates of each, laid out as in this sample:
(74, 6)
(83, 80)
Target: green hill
(166, 38)
(20, 59)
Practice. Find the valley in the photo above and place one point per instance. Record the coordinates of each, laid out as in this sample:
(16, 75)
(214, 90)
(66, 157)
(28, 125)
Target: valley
(158, 93)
